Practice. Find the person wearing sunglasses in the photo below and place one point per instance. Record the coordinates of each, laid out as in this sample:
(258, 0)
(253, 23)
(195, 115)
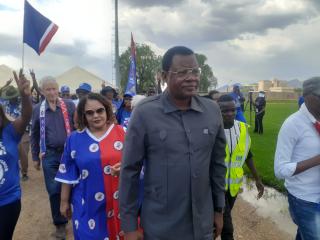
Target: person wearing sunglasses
(297, 161)
(87, 173)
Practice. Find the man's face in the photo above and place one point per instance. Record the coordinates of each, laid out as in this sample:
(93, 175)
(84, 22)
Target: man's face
(228, 111)
(82, 93)
(65, 95)
(109, 95)
(50, 91)
(183, 77)
(313, 103)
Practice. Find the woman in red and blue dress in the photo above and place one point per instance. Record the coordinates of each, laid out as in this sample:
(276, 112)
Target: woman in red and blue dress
(89, 157)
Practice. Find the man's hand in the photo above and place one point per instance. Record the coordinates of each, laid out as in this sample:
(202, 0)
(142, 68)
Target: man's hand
(218, 224)
(260, 188)
(36, 165)
(9, 82)
(65, 209)
(22, 83)
(136, 235)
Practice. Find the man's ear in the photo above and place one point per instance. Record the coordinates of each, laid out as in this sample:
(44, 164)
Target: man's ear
(164, 76)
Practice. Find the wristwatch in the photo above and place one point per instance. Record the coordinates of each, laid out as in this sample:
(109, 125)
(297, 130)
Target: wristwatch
(219, 209)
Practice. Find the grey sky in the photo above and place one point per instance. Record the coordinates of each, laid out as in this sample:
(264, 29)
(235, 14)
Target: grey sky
(244, 40)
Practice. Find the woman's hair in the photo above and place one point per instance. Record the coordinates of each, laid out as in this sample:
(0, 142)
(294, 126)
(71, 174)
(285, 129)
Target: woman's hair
(82, 121)
(3, 119)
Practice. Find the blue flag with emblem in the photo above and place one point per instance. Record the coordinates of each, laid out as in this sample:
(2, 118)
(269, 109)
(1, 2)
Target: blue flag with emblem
(37, 29)
(132, 77)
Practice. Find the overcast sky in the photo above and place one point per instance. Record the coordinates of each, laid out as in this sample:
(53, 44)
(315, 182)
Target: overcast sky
(244, 40)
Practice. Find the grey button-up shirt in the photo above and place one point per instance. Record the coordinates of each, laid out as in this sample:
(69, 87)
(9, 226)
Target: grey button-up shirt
(184, 174)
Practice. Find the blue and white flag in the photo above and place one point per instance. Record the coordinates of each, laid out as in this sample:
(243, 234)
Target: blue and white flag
(132, 77)
(37, 29)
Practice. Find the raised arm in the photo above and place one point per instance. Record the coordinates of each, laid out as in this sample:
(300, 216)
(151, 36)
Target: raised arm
(23, 84)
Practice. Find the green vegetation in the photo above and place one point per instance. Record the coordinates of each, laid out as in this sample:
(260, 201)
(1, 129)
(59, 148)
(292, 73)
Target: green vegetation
(263, 146)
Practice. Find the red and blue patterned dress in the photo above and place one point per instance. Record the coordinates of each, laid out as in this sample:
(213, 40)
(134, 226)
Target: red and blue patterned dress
(86, 164)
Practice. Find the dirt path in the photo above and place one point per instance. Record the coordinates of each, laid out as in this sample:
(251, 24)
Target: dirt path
(35, 220)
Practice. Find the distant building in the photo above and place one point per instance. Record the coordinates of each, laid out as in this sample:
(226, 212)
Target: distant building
(274, 85)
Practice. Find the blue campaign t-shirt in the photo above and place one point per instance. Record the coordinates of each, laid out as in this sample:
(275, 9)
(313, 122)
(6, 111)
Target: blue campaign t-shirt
(124, 118)
(10, 190)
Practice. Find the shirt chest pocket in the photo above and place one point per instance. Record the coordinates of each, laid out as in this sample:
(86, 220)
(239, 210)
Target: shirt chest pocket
(203, 138)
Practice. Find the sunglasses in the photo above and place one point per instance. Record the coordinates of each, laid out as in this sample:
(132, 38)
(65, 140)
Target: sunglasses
(99, 111)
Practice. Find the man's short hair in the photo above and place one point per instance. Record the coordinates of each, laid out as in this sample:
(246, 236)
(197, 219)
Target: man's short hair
(311, 86)
(47, 79)
(225, 98)
(168, 56)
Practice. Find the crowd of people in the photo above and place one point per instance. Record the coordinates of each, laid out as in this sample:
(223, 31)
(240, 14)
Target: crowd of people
(166, 166)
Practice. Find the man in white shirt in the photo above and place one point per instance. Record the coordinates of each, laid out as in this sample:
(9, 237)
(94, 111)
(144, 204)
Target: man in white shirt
(297, 160)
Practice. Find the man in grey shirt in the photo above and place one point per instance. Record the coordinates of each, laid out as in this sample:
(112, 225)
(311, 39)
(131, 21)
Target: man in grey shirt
(179, 137)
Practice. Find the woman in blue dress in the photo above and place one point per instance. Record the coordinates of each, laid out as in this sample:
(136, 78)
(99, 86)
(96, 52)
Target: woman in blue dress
(10, 136)
(85, 172)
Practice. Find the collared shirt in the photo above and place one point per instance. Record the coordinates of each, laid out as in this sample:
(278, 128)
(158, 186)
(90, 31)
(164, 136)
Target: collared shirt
(298, 140)
(55, 128)
(184, 177)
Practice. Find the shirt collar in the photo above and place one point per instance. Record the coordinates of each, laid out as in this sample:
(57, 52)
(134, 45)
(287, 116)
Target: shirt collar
(48, 107)
(170, 107)
(304, 110)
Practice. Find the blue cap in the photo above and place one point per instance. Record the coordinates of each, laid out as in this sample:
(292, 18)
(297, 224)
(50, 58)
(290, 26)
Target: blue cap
(64, 89)
(84, 86)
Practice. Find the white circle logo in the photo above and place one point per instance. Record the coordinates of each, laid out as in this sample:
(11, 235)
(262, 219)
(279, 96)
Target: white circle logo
(85, 174)
(93, 147)
(82, 201)
(116, 195)
(107, 170)
(62, 168)
(91, 224)
(73, 154)
(99, 196)
(118, 145)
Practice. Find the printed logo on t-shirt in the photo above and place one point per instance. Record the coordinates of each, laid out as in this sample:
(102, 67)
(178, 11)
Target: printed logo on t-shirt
(3, 168)
(107, 170)
(94, 147)
(91, 224)
(116, 195)
(99, 196)
(62, 168)
(85, 173)
(3, 150)
(110, 213)
(118, 145)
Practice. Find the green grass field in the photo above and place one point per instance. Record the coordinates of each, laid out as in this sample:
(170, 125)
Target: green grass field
(263, 146)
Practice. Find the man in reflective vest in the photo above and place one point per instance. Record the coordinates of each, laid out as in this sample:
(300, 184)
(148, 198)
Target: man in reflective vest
(237, 153)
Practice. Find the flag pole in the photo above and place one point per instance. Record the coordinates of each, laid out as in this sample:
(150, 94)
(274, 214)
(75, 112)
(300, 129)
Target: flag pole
(22, 60)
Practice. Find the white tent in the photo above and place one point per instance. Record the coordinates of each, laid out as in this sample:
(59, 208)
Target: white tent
(77, 75)
(5, 75)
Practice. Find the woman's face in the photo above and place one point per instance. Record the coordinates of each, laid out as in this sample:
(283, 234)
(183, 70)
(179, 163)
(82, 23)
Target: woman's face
(127, 102)
(96, 115)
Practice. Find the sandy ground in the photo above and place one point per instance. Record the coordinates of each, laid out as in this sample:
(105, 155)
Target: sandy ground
(35, 220)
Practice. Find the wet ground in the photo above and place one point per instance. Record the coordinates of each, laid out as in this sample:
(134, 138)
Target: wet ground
(252, 221)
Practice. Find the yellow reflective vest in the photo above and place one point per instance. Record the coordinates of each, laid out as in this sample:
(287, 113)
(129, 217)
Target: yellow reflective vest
(235, 161)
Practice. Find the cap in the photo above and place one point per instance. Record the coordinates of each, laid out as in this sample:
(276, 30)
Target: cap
(311, 86)
(85, 87)
(9, 92)
(64, 89)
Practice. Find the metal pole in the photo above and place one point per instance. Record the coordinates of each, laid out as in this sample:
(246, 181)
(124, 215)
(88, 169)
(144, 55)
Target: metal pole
(116, 45)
